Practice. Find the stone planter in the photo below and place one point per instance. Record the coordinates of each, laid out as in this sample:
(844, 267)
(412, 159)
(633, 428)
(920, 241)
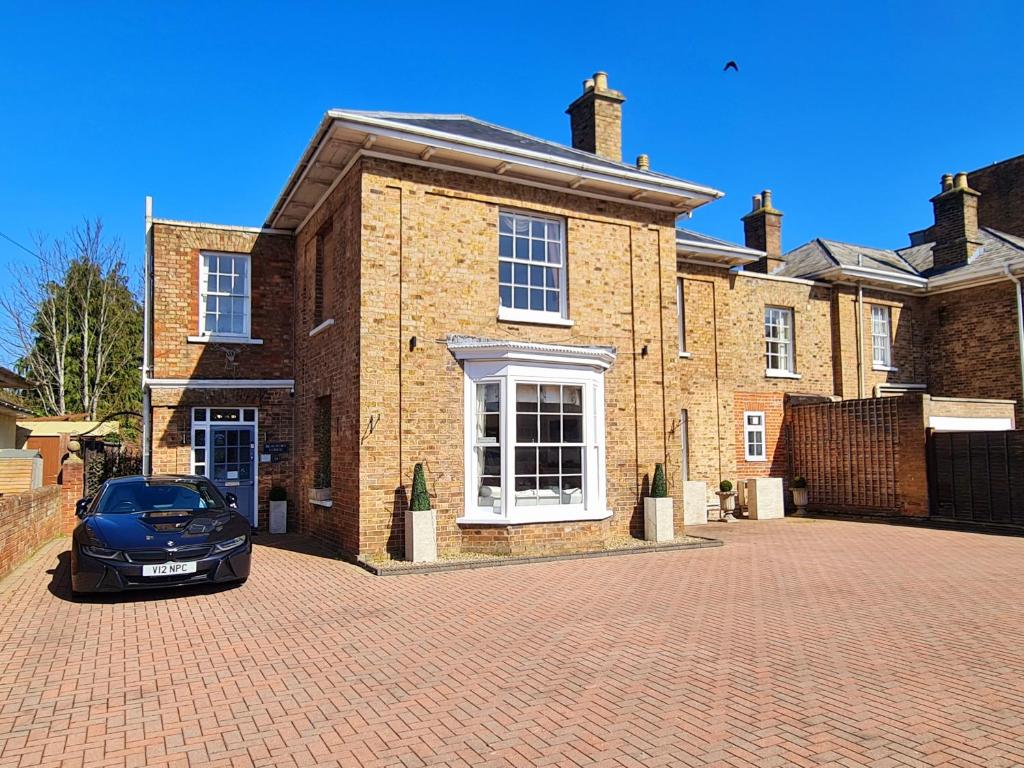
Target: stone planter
(800, 499)
(727, 504)
(658, 523)
(765, 500)
(421, 535)
(319, 494)
(279, 517)
(695, 503)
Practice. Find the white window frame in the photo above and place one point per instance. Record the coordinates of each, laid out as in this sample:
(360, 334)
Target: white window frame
(881, 337)
(206, 335)
(749, 429)
(544, 317)
(509, 373)
(790, 343)
(681, 316)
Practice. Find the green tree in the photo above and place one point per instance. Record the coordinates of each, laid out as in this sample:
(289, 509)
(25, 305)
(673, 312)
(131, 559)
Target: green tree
(78, 326)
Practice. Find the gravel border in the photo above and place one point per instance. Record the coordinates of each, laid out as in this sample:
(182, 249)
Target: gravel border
(470, 561)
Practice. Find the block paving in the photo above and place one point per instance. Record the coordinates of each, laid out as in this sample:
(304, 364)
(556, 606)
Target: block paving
(799, 643)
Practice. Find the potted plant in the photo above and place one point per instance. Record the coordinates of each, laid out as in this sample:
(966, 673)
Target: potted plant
(278, 509)
(658, 521)
(420, 522)
(726, 500)
(799, 488)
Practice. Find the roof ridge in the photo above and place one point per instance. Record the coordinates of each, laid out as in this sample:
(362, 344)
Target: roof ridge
(1004, 236)
(828, 251)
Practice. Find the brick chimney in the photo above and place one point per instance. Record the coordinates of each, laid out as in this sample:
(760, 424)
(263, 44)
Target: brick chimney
(596, 119)
(956, 222)
(762, 229)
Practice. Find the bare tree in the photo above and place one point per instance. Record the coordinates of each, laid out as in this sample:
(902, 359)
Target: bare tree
(75, 320)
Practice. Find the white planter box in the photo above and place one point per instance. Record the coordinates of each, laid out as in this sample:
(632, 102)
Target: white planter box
(319, 494)
(658, 523)
(764, 498)
(421, 535)
(279, 517)
(695, 502)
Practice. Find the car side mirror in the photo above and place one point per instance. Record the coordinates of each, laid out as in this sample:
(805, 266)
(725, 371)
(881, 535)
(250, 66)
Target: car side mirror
(232, 500)
(82, 506)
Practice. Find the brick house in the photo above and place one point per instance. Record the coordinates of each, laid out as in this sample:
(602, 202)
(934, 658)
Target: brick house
(522, 317)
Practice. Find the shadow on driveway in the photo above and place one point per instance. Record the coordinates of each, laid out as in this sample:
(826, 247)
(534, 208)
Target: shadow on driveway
(60, 587)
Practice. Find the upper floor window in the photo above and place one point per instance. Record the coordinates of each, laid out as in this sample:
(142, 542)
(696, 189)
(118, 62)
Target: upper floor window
(681, 316)
(778, 340)
(531, 267)
(224, 294)
(881, 336)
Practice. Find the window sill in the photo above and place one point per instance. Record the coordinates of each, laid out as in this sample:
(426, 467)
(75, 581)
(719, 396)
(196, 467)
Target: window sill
(212, 339)
(552, 514)
(886, 368)
(685, 355)
(770, 374)
(322, 327)
(507, 315)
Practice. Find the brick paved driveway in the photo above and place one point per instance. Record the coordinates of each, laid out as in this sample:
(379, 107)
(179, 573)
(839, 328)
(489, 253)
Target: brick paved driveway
(798, 643)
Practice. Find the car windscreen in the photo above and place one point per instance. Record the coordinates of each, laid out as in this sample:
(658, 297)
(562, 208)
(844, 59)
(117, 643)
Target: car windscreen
(126, 498)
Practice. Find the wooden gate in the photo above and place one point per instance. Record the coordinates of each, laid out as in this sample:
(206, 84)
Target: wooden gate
(977, 477)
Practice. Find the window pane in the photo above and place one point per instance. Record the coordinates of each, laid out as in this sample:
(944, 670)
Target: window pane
(526, 461)
(505, 295)
(488, 397)
(538, 250)
(505, 246)
(572, 399)
(550, 398)
(554, 253)
(521, 298)
(504, 272)
(572, 429)
(537, 300)
(537, 229)
(572, 460)
(526, 428)
(551, 429)
(490, 460)
(505, 223)
(522, 274)
(549, 491)
(199, 414)
(526, 398)
(200, 437)
(488, 428)
(552, 297)
(522, 248)
(548, 461)
(537, 277)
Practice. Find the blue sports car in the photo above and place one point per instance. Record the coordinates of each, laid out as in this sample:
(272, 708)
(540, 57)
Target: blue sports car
(158, 531)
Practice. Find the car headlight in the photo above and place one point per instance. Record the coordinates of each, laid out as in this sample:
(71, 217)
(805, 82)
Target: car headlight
(102, 553)
(234, 543)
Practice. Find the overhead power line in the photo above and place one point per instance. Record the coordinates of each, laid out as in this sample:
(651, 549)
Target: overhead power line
(15, 242)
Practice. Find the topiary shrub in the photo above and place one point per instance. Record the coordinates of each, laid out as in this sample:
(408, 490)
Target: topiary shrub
(659, 486)
(725, 486)
(277, 493)
(798, 482)
(420, 498)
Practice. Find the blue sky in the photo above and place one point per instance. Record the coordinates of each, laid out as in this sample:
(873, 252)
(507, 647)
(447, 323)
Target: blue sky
(850, 113)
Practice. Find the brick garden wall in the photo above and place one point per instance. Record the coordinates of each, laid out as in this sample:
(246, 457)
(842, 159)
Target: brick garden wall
(862, 456)
(28, 520)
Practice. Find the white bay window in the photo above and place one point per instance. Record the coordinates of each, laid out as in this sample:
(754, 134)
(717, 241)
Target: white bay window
(534, 431)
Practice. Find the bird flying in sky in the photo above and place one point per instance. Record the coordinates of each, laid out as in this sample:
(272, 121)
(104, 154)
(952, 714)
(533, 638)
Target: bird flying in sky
(730, 65)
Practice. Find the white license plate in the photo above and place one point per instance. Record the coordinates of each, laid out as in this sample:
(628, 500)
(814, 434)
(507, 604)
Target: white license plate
(168, 569)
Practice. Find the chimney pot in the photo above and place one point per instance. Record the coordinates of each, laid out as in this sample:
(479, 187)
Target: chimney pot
(643, 162)
(960, 180)
(947, 182)
(766, 198)
(755, 203)
(588, 84)
(601, 81)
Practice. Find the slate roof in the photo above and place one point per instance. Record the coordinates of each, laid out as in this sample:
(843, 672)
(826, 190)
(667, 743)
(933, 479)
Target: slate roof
(820, 255)
(469, 127)
(711, 242)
